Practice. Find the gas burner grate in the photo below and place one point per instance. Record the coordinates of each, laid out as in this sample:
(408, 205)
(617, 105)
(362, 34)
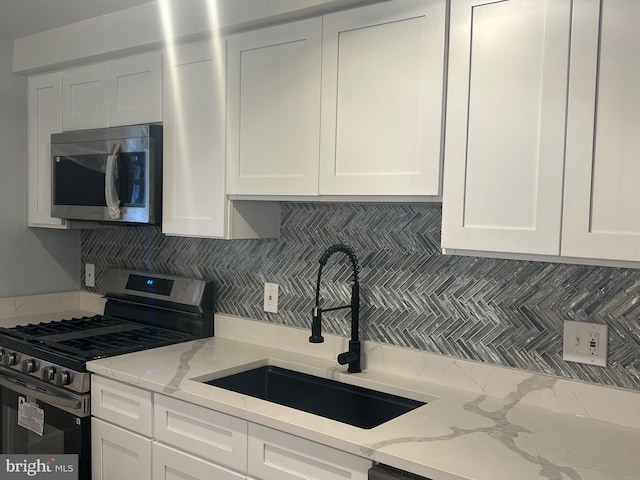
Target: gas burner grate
(37, 331)
(89, 338)
(140, 338)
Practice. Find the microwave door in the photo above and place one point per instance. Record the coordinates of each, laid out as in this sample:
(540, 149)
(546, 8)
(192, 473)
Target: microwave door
(78, 185)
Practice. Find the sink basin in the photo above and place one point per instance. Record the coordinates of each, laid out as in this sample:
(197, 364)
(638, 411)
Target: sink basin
(353, 405)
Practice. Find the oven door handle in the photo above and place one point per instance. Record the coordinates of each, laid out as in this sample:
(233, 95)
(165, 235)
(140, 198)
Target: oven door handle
(55, 400)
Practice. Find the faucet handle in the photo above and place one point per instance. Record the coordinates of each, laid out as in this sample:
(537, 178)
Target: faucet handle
(316, 326)
(352, 357)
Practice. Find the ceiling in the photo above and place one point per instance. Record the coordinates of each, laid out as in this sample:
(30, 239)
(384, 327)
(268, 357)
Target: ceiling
(19, 18)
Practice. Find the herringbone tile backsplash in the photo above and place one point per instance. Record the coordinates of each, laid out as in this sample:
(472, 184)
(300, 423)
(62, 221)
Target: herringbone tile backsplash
(503, 312)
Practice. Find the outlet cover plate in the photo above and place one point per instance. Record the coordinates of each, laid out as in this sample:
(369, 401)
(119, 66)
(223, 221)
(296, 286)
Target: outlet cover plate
(90, 275)
(271, 297)
(585, 343)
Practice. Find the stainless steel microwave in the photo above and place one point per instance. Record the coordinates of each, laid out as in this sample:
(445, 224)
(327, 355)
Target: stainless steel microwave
(108, 174)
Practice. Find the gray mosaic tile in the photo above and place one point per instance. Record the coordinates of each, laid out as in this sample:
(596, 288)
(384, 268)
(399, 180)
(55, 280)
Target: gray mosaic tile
(503, 312)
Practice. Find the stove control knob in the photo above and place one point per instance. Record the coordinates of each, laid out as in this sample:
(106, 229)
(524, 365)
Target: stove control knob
(61, 378)
(47, 373)
(28, 366)
(8, 359)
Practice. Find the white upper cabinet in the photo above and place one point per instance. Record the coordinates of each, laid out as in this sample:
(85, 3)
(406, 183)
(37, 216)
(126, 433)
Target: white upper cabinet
(194, 196)
(123, 92)
(274, 110)
(85, 98)
(382, 94)
(504, 149)
(602, 196)
(44, 118)
(346, 104)
(135, 90)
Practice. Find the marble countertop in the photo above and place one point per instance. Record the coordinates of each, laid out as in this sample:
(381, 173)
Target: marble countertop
(458, 435)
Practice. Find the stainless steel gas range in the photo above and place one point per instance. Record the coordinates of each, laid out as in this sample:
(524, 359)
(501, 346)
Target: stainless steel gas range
(44, 383)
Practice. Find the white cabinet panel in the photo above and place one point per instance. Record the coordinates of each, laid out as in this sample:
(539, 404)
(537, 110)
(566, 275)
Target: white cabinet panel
(122, 404)
(194, 196)
(274, 110)
(117, 454)
(211, 435)
(135, 90)
(602, 169)
(44, 118)
(275, 455)
(382, 94)
(123, 92)
(504, 150)
(171, 464)
(85, 98)
(194, 114)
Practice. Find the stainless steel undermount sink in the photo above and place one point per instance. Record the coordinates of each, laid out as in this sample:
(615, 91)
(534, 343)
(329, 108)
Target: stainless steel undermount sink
(350, 404)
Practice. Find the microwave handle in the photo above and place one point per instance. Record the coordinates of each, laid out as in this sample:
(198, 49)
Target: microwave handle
(110, 192)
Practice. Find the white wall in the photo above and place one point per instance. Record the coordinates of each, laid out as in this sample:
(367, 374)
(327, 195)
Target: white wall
(31, 260)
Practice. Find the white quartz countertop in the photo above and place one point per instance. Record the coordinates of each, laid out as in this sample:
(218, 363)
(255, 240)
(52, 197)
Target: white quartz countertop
(458, 435)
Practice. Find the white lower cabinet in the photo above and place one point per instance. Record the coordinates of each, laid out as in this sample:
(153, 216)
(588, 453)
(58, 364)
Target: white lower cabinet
(121, 404)
(172, 464)
(214, 436)
(275, 455)
(187, 441)
(118, 454)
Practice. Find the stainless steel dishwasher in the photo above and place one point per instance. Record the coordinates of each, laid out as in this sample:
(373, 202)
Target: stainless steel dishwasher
(385, 472)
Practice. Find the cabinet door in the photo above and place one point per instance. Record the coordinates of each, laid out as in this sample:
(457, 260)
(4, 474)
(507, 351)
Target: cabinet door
(275, 455)
(382, 94)
(274, 110)
(504, 149)
(45, 118)
(135, 90)
(171, 464)
(194, 200)
(122, 404)
(117, 454)
(85, 98)
(211, 435)
(601, 217)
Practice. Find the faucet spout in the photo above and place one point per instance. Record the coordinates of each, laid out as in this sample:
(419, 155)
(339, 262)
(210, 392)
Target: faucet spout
(352, 357)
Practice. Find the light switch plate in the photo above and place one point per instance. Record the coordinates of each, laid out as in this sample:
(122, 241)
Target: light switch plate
(585, 343)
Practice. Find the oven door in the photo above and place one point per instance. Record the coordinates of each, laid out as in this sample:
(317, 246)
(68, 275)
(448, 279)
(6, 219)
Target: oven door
(37, 418)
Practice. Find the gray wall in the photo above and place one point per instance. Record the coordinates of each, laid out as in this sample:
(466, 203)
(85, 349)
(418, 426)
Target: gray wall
(503, 312)
(31, 260)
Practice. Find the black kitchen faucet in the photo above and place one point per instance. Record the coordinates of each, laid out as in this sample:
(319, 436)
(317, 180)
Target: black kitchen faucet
(352, 357)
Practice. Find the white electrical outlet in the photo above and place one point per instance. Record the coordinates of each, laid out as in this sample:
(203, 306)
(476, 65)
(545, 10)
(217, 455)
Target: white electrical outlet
(585, 343)
(271, 297)
(89, 275)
